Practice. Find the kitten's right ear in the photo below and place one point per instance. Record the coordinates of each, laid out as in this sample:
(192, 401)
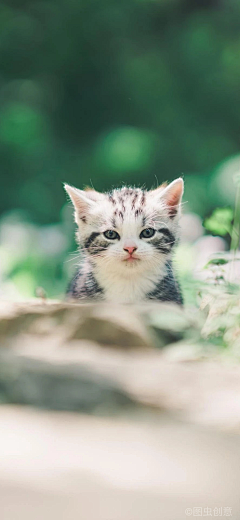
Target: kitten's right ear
(83, 203)
(171, 195)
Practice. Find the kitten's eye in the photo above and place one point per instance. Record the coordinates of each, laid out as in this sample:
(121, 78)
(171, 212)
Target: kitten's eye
(111, 235)
(147, 233)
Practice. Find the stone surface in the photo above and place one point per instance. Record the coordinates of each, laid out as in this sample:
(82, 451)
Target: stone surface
(72, 357)
(157, 426)
(58, 386)
(60, 466)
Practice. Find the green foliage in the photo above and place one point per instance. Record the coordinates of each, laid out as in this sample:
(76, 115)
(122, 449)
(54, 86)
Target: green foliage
(226, 221)
(33, 256)
(217, 261)
(220, 222)
(110, 92)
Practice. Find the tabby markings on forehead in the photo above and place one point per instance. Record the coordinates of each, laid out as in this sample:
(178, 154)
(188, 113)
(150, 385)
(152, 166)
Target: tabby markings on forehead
(134, 200)
(128, 192)
(121, 200)
(138, 212)
(112, 200)
(143, 199)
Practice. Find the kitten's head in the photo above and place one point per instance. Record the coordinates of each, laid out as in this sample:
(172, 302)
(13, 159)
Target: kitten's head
(128, 230)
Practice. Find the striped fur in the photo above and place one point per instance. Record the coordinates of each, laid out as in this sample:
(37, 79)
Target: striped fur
(104, 271)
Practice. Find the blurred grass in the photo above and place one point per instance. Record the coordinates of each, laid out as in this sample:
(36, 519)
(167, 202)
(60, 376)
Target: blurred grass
(108, 92)
(33, 256)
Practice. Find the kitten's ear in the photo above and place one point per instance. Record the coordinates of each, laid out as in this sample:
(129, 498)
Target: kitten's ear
(172, 196)
(83, 201)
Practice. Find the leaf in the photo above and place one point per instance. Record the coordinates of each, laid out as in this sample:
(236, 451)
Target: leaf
(220, 222)
(222, 259)
(216, 261)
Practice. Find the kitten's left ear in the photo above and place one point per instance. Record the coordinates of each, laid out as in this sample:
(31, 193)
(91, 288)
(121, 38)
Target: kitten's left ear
(172, 196)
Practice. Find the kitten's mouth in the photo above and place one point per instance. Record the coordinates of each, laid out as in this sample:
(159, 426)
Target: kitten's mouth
(131, 259)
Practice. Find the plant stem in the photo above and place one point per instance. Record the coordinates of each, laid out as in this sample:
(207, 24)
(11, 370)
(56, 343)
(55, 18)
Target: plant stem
(235, 235)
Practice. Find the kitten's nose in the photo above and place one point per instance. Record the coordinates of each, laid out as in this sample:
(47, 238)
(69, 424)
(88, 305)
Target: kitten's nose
(130, 249)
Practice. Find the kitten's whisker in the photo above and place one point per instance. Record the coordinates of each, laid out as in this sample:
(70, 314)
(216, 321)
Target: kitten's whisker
(73, 258)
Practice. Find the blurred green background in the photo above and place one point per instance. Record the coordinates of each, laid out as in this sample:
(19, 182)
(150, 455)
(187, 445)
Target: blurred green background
(103, 93)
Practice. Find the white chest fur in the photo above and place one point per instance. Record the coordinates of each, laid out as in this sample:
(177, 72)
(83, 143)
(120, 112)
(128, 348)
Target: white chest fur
(130, 287)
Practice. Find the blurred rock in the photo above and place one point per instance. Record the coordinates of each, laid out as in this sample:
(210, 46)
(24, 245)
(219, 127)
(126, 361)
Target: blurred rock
(100, 358)
(58, 387)
(191, 227)
(171, 323)
(108, 325)
(113, 325)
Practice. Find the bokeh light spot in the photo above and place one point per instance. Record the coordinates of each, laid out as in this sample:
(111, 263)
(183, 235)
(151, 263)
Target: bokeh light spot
(222, 187)
(21, 125)
(125, 149)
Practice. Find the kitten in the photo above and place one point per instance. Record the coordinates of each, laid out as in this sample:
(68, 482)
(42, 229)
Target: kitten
(126, 238)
